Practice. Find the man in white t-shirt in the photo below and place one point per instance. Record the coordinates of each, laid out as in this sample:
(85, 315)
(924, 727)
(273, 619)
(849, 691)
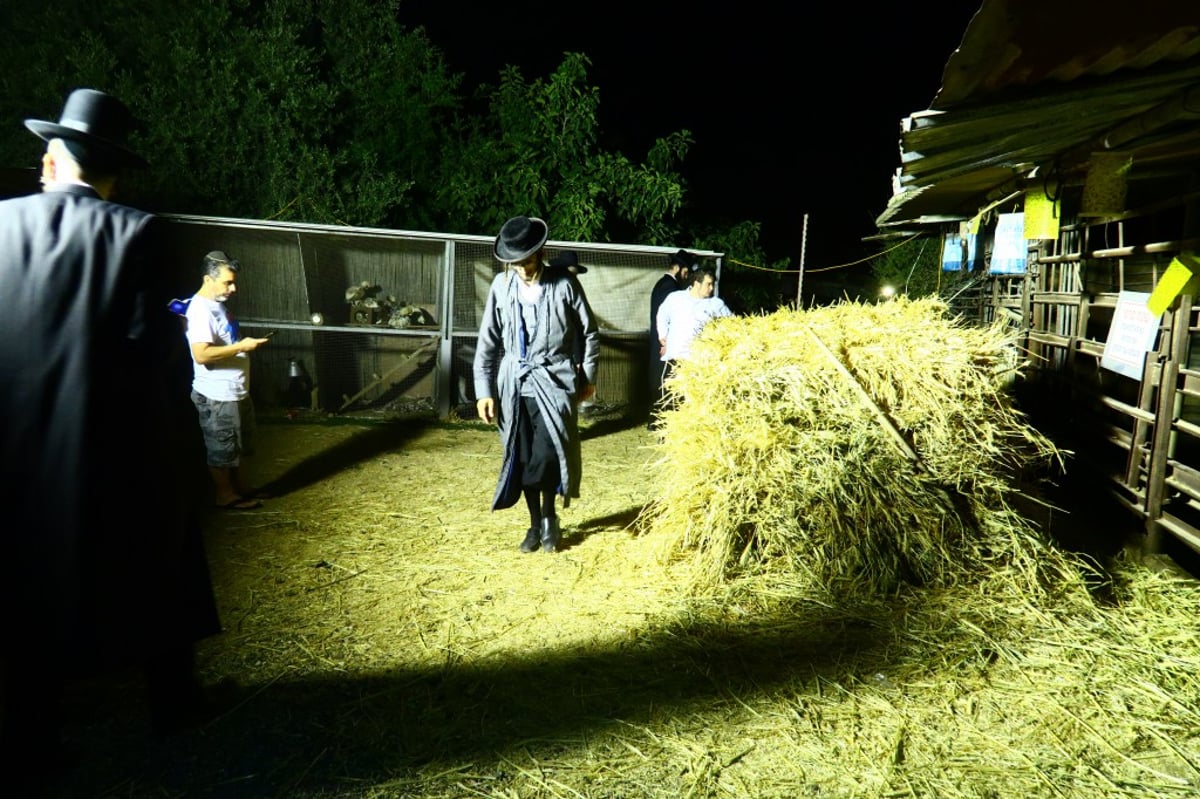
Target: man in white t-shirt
(221, 380)
(684, 313)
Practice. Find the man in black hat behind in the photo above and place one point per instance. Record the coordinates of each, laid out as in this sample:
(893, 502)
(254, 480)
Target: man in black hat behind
(101, 530)
(569, 260)
(679, 264)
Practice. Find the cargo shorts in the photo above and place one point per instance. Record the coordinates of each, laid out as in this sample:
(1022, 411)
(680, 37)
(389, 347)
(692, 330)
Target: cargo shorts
(228, 428)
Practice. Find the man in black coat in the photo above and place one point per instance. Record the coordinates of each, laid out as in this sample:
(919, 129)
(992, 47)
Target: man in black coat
(102, 485)
(675, 278)
(569, 260)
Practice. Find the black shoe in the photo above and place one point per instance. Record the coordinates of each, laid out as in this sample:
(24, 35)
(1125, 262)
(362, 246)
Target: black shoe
(532, 539)
(550, 534)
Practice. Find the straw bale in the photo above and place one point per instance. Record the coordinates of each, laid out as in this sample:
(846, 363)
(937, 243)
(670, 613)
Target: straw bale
(846, 450)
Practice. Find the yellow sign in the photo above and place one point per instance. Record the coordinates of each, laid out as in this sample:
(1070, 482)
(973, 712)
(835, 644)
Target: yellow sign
(1172, 283)
(1040, 220)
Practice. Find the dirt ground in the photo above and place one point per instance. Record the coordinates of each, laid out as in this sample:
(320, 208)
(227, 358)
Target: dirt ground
(387, 639)
(378, 616)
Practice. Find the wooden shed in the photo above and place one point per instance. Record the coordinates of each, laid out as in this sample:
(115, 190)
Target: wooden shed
(1081, 121)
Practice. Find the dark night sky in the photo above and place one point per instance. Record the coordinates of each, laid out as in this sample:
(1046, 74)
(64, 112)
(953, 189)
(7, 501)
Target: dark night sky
(792, 112)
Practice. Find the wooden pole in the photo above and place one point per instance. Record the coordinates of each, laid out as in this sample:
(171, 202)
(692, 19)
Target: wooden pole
(800, 278)
(880, 414)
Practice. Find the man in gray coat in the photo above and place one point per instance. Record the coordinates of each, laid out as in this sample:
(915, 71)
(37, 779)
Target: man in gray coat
(526, 381)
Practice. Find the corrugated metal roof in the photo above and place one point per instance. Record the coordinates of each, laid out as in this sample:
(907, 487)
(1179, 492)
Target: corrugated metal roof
(1045, 84)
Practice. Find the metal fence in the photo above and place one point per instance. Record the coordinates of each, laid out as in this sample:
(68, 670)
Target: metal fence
(385, 321)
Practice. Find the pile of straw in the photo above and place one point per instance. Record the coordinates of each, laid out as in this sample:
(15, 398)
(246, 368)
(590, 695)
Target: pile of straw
(848, 450)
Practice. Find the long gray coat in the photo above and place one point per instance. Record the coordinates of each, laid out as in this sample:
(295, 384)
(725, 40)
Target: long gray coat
(500, 367)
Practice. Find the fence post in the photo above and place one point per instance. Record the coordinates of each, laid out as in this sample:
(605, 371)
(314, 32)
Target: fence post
(1164, 422)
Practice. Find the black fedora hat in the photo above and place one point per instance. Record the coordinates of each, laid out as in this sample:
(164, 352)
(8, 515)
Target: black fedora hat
(94, 125)
(519, 238)
(682, 258)
(568, 259)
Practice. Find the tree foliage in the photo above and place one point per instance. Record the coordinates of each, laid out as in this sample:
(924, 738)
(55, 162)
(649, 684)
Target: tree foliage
(331, 111)
(748, 281)
(535, 152)
(913, 268)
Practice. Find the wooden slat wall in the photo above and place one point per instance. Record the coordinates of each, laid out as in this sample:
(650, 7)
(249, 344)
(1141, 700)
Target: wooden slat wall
(1138, 440)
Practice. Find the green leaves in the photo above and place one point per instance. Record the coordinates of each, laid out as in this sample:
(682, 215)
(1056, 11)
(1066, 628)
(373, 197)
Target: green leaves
(330, 111)
(913, 268)
(537, 152)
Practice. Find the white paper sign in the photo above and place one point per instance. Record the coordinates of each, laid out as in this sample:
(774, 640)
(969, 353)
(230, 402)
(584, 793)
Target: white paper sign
(1131, 335)
(1010, 247)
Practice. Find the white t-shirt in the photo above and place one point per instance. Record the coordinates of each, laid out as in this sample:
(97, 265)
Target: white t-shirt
(228, 379)
(681, 318)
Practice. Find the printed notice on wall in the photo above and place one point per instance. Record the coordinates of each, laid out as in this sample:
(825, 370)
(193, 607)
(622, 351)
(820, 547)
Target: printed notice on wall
(1131, 335)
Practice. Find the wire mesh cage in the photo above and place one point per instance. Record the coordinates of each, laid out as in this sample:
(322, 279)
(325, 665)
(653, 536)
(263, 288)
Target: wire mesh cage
(385, 322)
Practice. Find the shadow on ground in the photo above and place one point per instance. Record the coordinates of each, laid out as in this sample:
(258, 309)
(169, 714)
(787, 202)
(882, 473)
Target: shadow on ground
(334, 736)
(372, 441)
